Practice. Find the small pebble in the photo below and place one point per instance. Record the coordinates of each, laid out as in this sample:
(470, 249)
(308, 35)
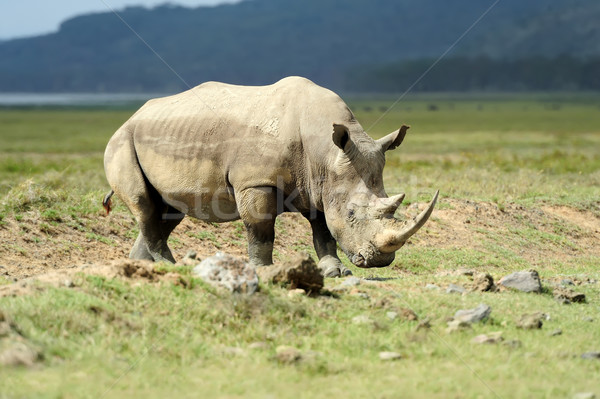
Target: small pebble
(591, 355)
(392, 315)
(454, 289)
(556, 332)
(432, 287)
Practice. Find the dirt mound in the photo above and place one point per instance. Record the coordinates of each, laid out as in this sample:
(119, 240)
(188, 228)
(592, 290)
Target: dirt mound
(32, 247)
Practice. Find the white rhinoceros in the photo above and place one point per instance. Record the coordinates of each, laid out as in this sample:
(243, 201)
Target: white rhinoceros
(220, 152)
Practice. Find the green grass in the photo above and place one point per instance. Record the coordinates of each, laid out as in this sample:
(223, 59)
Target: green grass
(109, 337)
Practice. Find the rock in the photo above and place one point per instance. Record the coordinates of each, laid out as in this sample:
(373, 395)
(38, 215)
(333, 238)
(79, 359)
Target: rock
(566, 281)
(191, 254)
(68, 283)
(424, 324)
(408, 314)
(392, 315)
(232, 351)
(454, 289)
(350, 282)
(464, 272)
(556, 332)
(474, 315)
(362, 319)
(531, 321)
(566, 296)
(483, 282)
(360, 294)
(432, 287)
(591, 355)
(299, 272)
(588, 319)
(512, 343)
(457, 325)
(491, 338)
(18, 353)
(287, 354)
(383, 302)
(190, 258)
(258, 345)
(389, 356)
(525, 281)
(227, 271)
(584, 395)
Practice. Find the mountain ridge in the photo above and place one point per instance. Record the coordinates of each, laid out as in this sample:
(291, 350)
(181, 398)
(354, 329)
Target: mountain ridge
(260, 41)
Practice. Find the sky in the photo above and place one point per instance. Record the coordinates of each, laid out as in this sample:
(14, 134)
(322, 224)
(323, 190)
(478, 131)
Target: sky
(22, 18)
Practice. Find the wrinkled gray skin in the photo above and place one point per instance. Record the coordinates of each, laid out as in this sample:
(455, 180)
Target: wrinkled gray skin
(221, 152)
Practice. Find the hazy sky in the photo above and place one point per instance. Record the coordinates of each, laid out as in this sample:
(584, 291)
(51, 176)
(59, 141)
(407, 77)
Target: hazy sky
(20, 18)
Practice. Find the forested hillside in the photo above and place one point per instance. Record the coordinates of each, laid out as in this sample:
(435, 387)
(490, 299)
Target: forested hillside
(259, 41)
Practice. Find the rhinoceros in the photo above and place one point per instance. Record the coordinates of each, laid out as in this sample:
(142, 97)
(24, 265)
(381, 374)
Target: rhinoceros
(221, 152)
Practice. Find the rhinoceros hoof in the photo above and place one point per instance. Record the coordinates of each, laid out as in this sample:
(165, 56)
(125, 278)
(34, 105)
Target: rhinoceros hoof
(333, 268)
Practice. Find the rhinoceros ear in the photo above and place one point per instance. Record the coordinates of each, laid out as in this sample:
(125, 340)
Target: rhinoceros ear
(340, 135)
(393, 139)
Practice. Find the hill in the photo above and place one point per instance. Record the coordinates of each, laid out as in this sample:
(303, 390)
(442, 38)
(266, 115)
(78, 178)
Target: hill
(260, 41)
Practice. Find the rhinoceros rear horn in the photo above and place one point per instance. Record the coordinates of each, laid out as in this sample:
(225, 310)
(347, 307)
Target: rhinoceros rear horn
(391, 240)
(387, 206)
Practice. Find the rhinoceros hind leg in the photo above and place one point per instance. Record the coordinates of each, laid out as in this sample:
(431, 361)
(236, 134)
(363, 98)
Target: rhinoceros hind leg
(168, 221)
(326, 248)
(140, 250)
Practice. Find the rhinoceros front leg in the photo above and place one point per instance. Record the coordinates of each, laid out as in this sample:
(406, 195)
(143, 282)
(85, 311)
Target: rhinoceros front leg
(258, 210)
(326, 248)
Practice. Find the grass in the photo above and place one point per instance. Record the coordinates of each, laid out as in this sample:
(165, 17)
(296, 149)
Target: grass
(107, 337)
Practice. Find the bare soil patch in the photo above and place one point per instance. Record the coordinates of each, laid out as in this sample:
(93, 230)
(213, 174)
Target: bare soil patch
(30, 247)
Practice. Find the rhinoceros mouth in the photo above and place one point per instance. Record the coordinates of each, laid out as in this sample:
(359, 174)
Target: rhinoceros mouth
(375, 260)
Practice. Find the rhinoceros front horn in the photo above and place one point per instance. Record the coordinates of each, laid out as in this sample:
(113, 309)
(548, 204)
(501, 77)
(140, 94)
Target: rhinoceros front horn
(391, 240)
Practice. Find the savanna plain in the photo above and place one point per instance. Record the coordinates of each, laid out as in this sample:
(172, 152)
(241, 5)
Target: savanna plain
(519, 177)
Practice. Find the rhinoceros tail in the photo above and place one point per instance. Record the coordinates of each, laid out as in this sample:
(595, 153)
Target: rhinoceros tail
(106, 202)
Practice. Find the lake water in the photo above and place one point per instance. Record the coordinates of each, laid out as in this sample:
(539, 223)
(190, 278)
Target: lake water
(74, 99)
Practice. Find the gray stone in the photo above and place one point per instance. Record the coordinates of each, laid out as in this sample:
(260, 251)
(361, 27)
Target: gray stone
(227, 271)
(386, 356)
(531, 321)
(432, 287)
(526, 281)
(490, 338)
(591, 355)
(287, 354)
(19, 353)
(454, 289)
(584, 395)
(191, 254)
(555, 333)
(350, 282)
(464, 272)
(258, 345)
(566, 296)
(457, 325)
(474, 315)
(392, 315)
(566, 281)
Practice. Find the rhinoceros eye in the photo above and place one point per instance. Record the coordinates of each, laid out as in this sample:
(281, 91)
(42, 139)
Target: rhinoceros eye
(351, 214)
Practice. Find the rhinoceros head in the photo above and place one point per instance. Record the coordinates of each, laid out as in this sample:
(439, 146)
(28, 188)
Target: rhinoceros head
(359, 214)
